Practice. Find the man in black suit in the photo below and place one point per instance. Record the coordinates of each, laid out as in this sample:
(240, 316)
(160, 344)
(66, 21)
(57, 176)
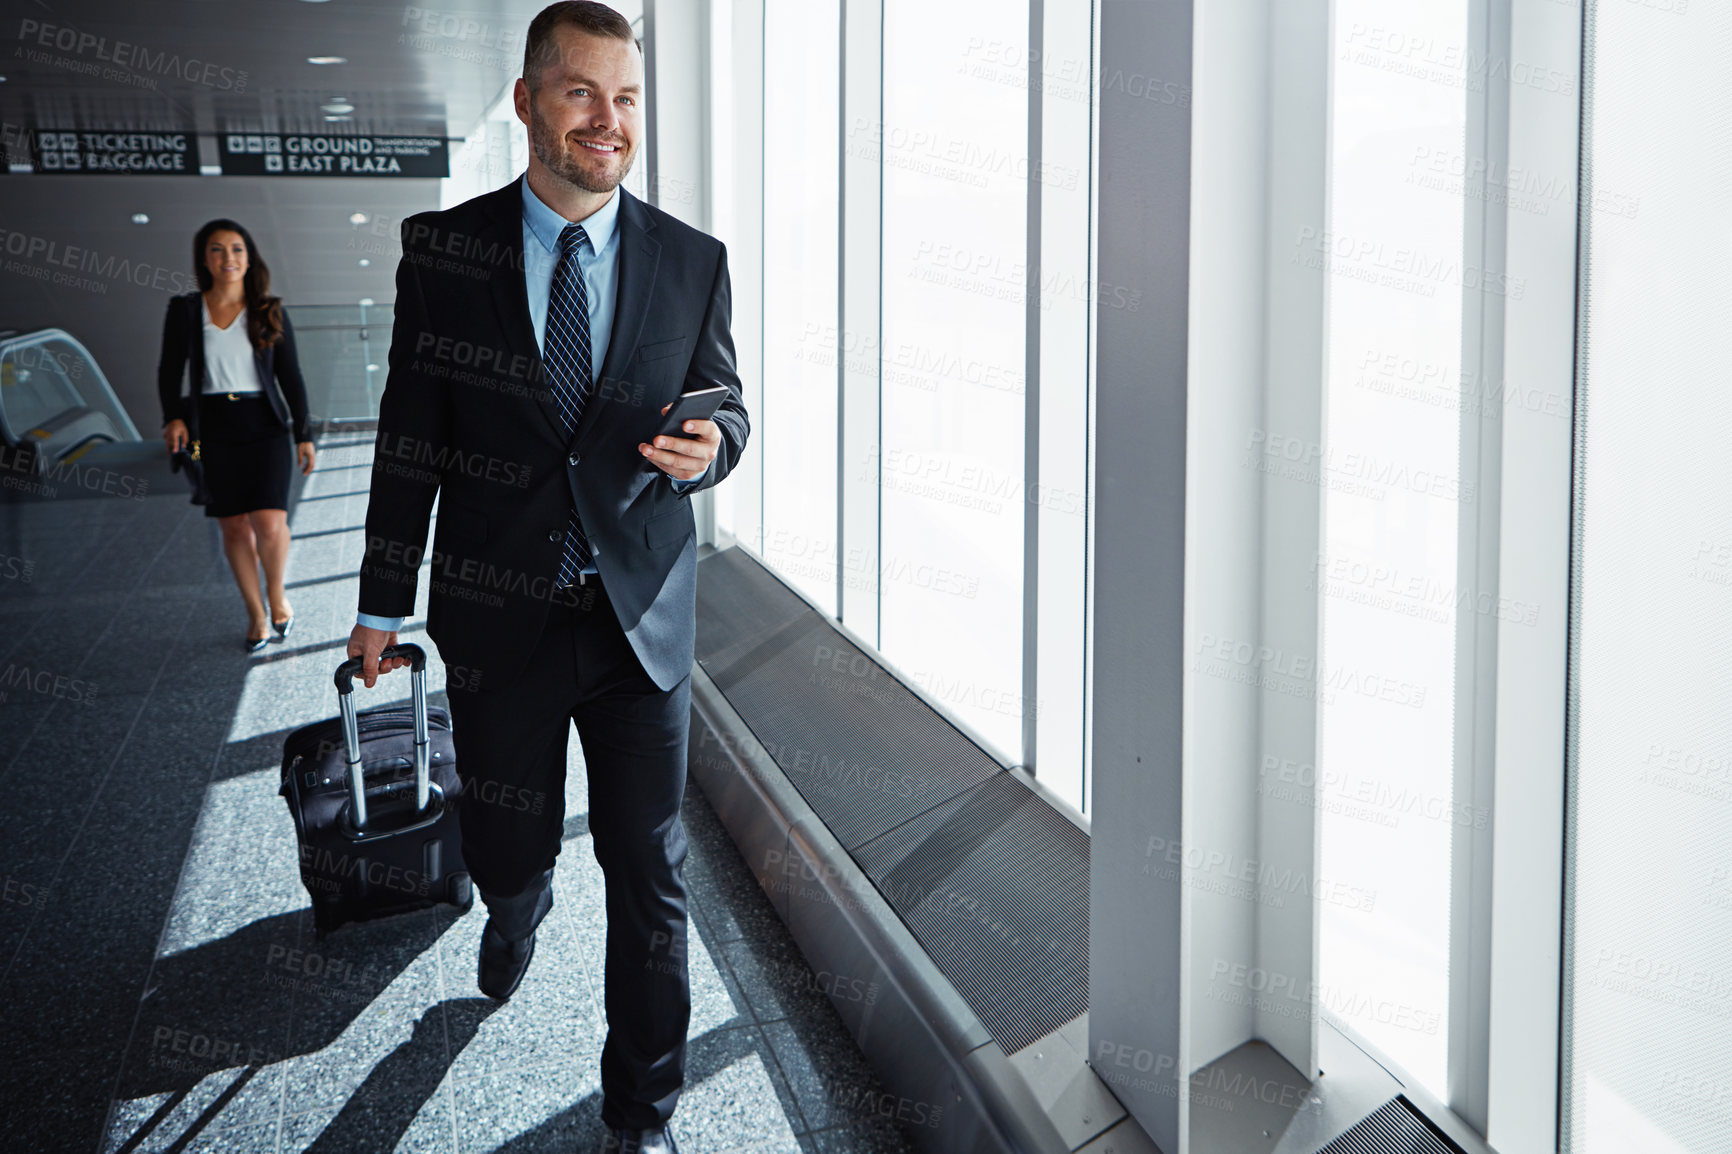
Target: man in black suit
(541, 331)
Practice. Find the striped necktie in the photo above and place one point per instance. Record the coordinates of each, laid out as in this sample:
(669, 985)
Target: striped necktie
(567, 356)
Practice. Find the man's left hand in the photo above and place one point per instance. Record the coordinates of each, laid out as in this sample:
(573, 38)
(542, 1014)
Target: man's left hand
(684, 458)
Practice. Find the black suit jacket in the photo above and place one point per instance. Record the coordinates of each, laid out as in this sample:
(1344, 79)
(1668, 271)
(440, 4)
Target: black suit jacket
(278, 367)
(468, 414)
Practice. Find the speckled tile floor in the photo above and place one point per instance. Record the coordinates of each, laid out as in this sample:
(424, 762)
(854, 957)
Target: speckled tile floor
(161, 988)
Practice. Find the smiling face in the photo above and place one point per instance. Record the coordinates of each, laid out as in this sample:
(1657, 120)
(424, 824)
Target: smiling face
(585, 114)
(225, 255)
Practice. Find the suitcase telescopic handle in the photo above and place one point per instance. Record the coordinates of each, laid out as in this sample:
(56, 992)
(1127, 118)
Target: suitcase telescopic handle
(417, 656)
(344, 678)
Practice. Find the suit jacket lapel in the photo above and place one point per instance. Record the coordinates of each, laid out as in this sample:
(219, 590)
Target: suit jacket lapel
(639, 256)
(502, 245)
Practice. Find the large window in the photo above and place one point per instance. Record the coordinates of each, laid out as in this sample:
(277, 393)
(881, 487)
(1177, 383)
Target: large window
(796, 431)
(955, 571)
(899, 193)
(1649, 962)
(1393, 248)
(954, 147)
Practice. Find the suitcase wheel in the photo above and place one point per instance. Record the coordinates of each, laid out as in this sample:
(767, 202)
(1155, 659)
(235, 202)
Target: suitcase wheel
(462, 892)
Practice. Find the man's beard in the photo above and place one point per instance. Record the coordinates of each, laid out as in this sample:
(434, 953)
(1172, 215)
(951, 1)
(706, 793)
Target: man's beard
(551, 149)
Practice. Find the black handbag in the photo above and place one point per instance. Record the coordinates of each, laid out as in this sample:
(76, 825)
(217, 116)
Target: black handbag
(187, 461)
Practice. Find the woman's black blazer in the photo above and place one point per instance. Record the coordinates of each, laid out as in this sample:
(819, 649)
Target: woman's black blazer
(183, 341)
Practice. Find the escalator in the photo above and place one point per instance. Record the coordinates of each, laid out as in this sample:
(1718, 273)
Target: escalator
(55, 403)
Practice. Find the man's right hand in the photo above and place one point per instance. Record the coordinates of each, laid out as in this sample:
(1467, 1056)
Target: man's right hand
(367, 644)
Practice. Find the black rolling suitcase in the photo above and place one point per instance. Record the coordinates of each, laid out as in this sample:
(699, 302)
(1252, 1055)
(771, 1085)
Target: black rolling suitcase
(374, 798)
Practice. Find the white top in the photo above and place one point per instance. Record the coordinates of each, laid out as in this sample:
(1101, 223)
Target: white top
(228, 355)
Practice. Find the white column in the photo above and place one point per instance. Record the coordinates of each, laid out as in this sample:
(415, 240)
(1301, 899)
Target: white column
(705, 63)
(678, 76)
(1058, 497)
(858, 330)
(1212, 160)
(1138, 648)
(1529, 390)
(677, 70)
(1294, 193)
(1253, 535)
(741, 228)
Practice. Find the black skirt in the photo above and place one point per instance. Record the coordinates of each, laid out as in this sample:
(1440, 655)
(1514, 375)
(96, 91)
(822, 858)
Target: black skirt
(246, 453)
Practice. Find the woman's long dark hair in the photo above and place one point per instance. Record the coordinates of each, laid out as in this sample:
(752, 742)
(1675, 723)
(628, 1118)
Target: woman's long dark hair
(264, 311)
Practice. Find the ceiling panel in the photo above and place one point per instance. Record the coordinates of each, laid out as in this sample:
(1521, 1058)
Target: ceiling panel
(208, 67)
(214, 66)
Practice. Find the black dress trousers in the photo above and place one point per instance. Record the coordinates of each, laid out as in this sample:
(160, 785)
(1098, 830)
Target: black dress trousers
(510, 741)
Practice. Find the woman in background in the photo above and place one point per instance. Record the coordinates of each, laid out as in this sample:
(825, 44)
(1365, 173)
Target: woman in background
(246, 399)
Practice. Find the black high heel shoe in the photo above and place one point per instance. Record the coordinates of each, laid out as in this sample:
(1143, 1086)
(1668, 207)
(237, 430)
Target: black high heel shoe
(282, 627)
(254, 644)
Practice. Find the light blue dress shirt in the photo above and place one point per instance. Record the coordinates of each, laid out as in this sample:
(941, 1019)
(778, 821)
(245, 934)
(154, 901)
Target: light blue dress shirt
(541, 229)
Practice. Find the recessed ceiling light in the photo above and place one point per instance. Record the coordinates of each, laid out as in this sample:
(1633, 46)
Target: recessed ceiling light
(365, 301)
(372, 368)
(357, 218)
(338, 106)
(329, 118)
(327, 60)
(365, 262)
(140, 218)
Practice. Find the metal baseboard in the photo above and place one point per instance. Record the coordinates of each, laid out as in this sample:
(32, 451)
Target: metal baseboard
(900, 854)
(991, 879)
(956, 1089)
(1395, 1128)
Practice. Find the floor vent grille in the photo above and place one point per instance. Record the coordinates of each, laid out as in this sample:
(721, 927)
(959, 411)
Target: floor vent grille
(990, 878)
(1395, 1128)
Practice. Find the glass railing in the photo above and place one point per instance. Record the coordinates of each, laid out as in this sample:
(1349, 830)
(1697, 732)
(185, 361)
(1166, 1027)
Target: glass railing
(342, 352)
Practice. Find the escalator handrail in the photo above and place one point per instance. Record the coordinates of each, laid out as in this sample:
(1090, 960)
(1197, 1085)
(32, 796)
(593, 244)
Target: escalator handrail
(12, 341)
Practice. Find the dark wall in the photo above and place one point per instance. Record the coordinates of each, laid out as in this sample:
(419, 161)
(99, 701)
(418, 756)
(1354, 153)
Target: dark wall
(71, 258)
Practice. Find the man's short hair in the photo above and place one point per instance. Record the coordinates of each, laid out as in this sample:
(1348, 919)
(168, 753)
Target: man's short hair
(541, 48)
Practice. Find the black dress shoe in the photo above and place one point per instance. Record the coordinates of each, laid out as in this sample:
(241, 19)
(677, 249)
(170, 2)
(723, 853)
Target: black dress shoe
(503, 963)
(657, 1141)
(254, 644)
(282, 627)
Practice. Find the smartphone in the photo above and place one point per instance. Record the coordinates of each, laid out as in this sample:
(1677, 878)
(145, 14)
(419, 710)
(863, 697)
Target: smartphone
(697, 406)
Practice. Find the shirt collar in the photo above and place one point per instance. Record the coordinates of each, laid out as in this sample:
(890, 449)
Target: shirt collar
(547, 224)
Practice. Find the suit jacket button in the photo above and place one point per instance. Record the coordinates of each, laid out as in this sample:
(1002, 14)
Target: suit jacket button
(554, 535)
(574, 459)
